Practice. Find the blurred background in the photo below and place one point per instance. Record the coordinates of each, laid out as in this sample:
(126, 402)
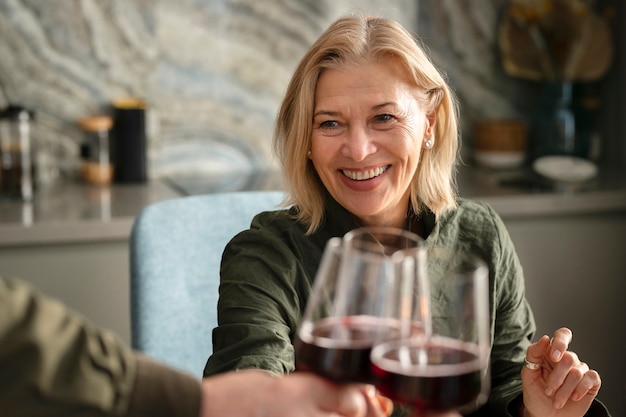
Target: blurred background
(197, 83)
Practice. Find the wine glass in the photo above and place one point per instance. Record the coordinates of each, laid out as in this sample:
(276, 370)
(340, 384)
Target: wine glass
(447, 367)
(354, 302)
(409, 298)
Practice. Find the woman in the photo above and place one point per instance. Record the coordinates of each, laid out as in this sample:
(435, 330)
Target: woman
(367, 136)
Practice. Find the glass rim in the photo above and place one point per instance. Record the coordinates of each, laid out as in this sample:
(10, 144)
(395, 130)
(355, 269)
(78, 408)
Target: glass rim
(380, 246)
(348, 236)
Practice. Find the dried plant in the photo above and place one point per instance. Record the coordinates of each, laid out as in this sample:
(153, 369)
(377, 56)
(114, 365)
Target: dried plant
(555, 40)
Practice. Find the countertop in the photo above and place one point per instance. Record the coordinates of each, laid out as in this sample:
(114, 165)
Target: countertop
(74, 212)
(521, 193)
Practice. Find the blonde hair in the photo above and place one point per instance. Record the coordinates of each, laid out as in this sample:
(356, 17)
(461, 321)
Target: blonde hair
(354, 40)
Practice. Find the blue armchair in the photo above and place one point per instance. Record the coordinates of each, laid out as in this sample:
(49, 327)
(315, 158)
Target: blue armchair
(175, 253)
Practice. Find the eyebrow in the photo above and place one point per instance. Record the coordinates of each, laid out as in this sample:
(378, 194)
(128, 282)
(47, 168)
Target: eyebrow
(336, 113)
(325, 113)
(389, 103)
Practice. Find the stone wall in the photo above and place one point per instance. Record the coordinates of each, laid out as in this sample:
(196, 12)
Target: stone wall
(214, 71)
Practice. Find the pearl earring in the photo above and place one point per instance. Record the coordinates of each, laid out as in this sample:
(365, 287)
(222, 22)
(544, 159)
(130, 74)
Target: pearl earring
(429, 143)
(308, 154)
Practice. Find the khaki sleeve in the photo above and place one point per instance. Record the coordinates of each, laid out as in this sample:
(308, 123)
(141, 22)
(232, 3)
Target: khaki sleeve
(54, 362)
(160, 391)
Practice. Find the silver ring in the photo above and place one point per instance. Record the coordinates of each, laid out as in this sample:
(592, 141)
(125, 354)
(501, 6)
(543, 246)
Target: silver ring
(533, 366)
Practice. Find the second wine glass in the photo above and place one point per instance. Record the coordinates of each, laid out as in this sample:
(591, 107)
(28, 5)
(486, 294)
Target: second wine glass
(447, 368)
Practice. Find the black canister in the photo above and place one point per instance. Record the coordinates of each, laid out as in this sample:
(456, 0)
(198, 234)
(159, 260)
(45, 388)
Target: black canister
(129, 140)
(17, 171)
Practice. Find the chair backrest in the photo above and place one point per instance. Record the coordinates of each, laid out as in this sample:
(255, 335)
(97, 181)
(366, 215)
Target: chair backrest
(175, 252)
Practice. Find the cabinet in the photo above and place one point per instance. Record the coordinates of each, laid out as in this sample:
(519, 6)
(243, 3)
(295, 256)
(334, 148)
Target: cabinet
(91, 277)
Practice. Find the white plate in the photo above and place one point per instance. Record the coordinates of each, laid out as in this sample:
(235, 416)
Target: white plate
(565, 168)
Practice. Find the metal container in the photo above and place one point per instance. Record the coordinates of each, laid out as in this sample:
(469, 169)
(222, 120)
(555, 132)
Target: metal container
(17, 171)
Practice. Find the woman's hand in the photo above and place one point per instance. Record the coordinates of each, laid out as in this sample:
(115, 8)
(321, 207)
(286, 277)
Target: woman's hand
(561, 385)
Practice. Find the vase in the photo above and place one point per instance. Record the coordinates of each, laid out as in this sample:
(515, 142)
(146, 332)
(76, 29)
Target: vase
(553, 128)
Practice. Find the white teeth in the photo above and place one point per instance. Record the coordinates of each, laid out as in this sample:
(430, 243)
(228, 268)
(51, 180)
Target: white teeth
(365, 175)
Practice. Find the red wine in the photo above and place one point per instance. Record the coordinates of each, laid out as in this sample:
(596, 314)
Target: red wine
(339, 348)
(437, 374)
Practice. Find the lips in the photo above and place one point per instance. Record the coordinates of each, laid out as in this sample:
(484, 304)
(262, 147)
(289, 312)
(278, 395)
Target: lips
(365, 175)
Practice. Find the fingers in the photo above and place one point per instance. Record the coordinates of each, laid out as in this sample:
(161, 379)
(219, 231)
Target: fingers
(573, 380)
(559, 343)
(350, 402)
(537, 351)
(566, 377)
(362, 400)
(590, 385)
(554, 378)
(550, 348)
(385, 404)
(420, 413)
(578, 380)
(535, 355)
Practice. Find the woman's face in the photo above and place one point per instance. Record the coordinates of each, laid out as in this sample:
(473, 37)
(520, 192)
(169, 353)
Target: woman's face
(368, 129)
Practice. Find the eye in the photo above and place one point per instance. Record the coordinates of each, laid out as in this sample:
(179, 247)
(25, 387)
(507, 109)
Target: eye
(328, 124)
(384, 118)
(383, 121)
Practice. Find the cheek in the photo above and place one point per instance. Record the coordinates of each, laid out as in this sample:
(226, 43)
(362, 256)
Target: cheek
(409, 143)
(323, 149)
(320, 157)
(409, 150)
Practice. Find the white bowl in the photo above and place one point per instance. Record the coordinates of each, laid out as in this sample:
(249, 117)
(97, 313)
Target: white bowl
(565, 168)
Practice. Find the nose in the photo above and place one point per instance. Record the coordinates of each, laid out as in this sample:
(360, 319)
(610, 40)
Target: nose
(358, 144)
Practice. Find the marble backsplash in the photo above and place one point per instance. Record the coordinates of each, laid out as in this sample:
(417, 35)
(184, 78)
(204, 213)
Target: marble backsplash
(212, 71)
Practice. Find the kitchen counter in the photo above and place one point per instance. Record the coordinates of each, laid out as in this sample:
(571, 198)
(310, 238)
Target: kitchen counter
(519, 194)
(74, 211)
(78, 212)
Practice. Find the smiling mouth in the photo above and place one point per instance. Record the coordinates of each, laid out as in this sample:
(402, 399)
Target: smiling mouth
(365, 175)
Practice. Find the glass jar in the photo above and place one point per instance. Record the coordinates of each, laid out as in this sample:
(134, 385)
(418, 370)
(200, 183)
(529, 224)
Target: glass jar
(17, 171)
(96, 166)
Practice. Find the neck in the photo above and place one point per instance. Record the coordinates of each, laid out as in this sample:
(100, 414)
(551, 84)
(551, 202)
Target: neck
(401, 222)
